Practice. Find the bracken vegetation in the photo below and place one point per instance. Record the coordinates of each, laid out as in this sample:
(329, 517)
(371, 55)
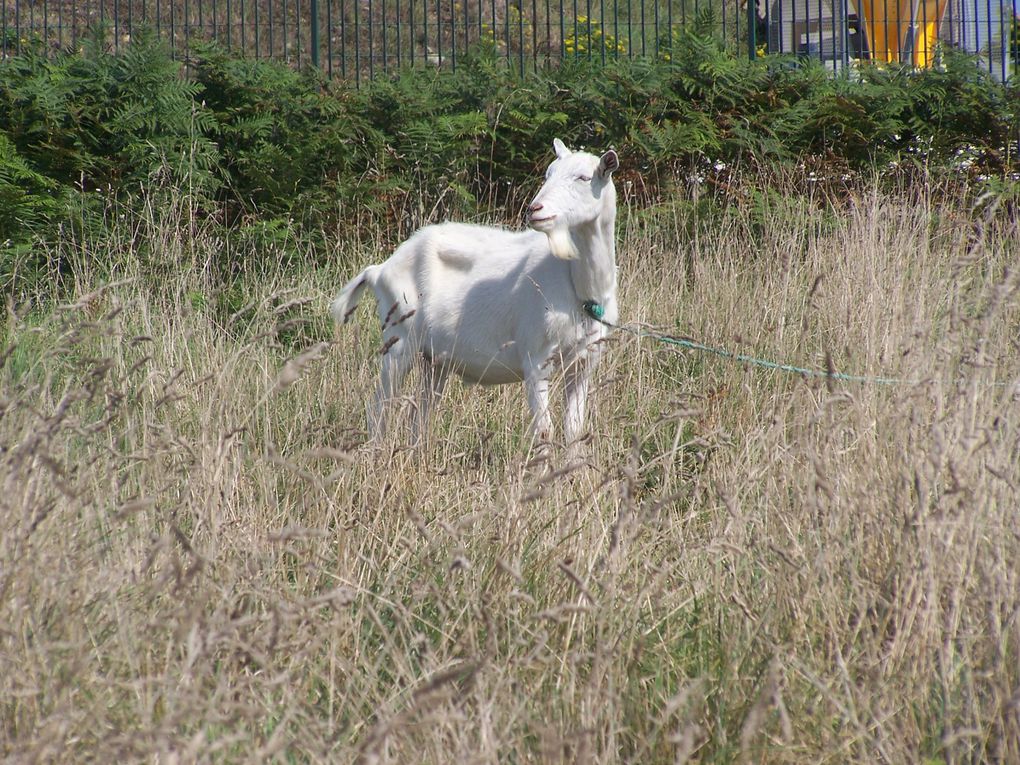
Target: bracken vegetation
(202, 559)
(257, 141)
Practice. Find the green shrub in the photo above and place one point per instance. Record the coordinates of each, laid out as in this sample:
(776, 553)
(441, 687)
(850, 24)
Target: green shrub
(250, 141)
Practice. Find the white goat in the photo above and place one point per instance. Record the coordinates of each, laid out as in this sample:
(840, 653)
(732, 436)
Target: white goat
(499, 306)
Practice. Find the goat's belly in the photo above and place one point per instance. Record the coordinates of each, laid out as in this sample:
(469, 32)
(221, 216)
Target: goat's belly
(481, 368)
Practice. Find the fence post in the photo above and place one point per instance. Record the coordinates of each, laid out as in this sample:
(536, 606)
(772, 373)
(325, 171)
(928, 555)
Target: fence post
(752, 22)
(314, 10)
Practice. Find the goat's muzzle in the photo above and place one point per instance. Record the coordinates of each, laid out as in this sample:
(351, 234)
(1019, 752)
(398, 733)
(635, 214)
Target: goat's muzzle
(535, 218)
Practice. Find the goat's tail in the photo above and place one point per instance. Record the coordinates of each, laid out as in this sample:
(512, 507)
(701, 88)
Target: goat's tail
(347, 299)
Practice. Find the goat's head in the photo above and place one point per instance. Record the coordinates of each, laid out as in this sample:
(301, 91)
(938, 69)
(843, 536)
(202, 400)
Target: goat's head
(578, 191)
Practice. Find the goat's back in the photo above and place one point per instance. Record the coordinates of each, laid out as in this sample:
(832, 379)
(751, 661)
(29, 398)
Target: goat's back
(487, 302)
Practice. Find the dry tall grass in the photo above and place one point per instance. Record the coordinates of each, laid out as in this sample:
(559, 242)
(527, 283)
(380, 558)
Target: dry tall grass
(201, 562)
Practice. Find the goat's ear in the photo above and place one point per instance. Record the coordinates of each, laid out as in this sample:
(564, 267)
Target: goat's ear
(560, 148)
(609, 163)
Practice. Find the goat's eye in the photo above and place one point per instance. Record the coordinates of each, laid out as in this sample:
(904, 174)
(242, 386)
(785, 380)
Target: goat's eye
(584, 178)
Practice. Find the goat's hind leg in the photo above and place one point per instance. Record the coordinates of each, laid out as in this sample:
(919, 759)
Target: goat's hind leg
(433, 383)
(537, 384)
(396, 363)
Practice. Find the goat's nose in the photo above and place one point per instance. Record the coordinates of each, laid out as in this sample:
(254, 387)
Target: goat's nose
(534, 207)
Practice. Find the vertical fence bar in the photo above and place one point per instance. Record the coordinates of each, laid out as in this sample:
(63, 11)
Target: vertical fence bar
(735, 28)
(329, 37)
(669, 23)
(439, 30)
(575, 29)
(821, 31)
(371, 42)
(534, 33)
(453, 34)
(602, 25)
(911, 54)
(520, 37)
(900, 36)
(587, 11)
(846, 42)
(313, 10)
(616, 28)
(550, 28)
(385, 40)
(656, 32)
(793, 30)
(506, 31)
(255, 31)
(1007, 23)
(724, 18)
(343, 39)
(467, 26)
(630, 31)
(480, 14)
(952, 26)
(752, 29)
(967, 31)
(885, 28)
(1012, 51)
(991, 36)
(644, 46)
(832, 35)
(563, 31)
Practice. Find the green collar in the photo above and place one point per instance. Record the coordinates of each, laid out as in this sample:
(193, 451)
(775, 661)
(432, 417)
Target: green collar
(594, 309)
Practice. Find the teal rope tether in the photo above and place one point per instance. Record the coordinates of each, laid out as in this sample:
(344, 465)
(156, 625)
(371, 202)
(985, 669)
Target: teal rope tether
(596, 311)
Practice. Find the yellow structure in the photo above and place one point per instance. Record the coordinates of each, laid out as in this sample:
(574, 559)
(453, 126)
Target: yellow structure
(907, 32)
(899, 28)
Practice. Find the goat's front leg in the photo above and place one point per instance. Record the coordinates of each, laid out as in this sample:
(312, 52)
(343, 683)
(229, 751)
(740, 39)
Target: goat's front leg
(537, 384)
(576, 383)
(396, 362)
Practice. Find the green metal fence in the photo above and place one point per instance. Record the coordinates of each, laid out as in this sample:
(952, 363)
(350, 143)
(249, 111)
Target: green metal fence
(362, 39)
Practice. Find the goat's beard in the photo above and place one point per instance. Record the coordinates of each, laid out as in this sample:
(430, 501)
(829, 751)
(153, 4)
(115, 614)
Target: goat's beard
(561, 243)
